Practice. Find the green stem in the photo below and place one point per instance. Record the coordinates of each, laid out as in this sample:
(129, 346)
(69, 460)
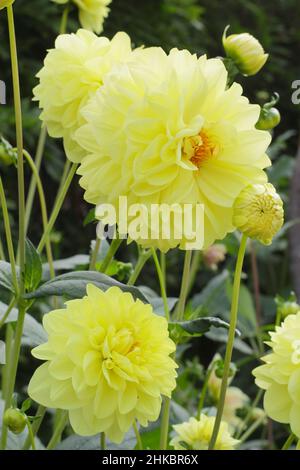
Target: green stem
(21, 199)
(251, 429)
(249, 414)
(59, 428)
(204, 389)
(142, 259)
(163, 264)
(289, 442)
(33, 182)
(30, 434)
(43, 209)
(194, 269)
(64, 176)
(102, 441)
(179, 314)
(64, 19)
(9, 241)
(230, 342)
(138, 436)
(9, 336)
(2, 254)
(110, 254)
(57, 206)
(95, 254)
(164, 432)
(8, 310)
(35, 425)
(162, 284)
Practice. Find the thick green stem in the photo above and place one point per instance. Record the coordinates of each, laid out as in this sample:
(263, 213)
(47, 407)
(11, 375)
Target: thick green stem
(230, 342)
(21, 198)
(110, 254)
(59, 428)
(102, 441)
(9, 241)
(164, 432)
(142, 259)
(2, 254)
(179, 315)
(162, 284)
(57, 206)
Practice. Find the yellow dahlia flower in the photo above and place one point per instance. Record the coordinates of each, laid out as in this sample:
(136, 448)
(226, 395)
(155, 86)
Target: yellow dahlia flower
(246, 52)
(107, 362)
(166, 129)
(92, 13)
(280, 375)
(196, 435)
(258, 212)
(72, 73)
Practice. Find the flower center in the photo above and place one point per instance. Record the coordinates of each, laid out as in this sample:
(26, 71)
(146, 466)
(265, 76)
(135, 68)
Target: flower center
(199, 148)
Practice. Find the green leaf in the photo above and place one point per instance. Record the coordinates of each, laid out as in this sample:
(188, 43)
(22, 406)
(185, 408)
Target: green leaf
(66, 264)
(213, 297)
(6, 280)
(181, 330)
(90, 217)
(74, 284)
(26, 405)
(33, 267)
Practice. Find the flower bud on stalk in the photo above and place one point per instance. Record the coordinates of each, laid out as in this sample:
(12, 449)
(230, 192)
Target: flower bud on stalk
(246, 52)
(15, 420)
(8, 156)
(269, 115)
(5, 3)
(258, 212)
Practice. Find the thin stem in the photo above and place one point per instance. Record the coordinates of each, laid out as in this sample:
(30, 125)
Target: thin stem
(110, 254)
(21, 198)
(30, 434)
(164, 433)
(256, 284)
(59, 428)
(163, 264)
(230, 342)
(57, 206)
(41, 411)
(251, 429)
(142, 259)
(204, 389)
(2, 254)
(194, 268)
(9, 336)
(289, 442)
(138, 436)
(249, 414)
(8, 310)
(64, 19)
(161, 283)
(95, 254)
(33, 182)
(102, 441)
(184, 286)
(66, 170)
(43, 209)
(8, 235)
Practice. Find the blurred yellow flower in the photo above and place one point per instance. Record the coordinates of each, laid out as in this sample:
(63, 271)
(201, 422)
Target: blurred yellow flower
(5, 3)
(92, 13)
(108, 363)
(258, 212)
(166, 129)
(214, 255)
(246, 52)
(280, 375)
(196, 435)
(72, 73)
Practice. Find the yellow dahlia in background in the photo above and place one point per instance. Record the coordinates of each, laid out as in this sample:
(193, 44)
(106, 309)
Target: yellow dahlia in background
(258, 212)
(196, 435)
(73, 71)
(280, 375)
(92, 13)
(107, 363)
(166, 129)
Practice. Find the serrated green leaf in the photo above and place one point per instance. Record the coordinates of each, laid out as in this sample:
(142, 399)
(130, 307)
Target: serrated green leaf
(33, 267)
(73, 285)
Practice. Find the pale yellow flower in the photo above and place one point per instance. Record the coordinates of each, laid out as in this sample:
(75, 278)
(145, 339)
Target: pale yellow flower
(166, 129)
(73, 71)
(196, 435)
(246, 52)
(92, 13)
(107, 362)
(5, 3)
(280, 375)
(258, 212)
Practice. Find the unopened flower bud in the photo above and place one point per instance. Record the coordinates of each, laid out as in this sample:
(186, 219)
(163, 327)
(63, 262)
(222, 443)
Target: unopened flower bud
(214, 255)
(269, 115)
(246, 52)
(258, 212)
(15, 420)
(8, 156)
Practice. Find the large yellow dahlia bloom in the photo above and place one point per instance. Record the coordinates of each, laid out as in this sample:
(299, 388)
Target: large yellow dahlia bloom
(73, 71)
(166, 129)
(280, 375)
(92, 13)
(107, 362)
(196, 435)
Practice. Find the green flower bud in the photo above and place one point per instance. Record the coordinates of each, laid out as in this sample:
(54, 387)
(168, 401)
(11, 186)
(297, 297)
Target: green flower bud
(15, 420)
(8, 156)
(5, 3)
(246, 52)
(287, 307)
(268, 119)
